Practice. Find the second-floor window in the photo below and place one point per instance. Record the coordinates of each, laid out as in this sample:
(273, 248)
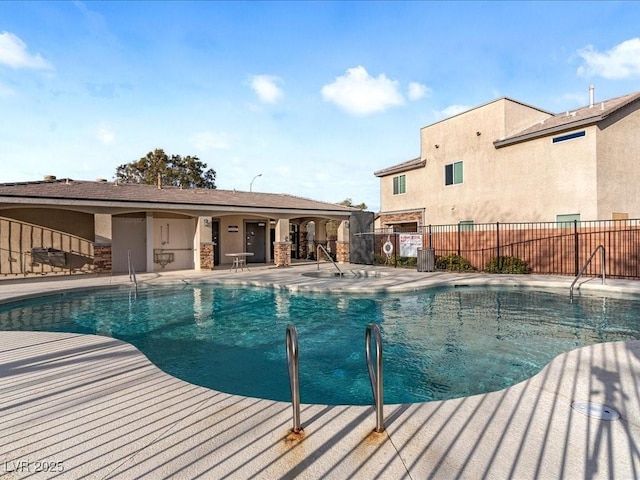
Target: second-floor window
(453, 173)
(399, 184)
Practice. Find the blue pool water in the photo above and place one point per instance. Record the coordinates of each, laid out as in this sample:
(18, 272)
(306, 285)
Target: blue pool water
(438, 344)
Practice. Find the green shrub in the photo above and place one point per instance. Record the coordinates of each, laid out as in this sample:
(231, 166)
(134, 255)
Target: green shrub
(506, 264)
(454, 262)
(407, 261)
(396, 261)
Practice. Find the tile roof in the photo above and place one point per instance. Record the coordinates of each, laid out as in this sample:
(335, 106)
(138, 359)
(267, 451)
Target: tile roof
(79, 191)
(570, 119)
(401, 167)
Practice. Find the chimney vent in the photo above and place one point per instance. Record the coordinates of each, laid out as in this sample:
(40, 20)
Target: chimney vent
(591, 95)
(159, 181)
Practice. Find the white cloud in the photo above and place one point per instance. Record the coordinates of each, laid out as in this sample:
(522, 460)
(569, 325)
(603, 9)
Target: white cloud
(210, 141)
(266, 87)
(283, 171)
(5, 91)
(106, 135)
(13, 52)
(417, 90)
(359, 93)
(453, 110)
(575, 98)
(622, 61)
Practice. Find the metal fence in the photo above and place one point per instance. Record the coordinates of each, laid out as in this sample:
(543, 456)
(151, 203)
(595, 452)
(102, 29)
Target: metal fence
(31, 249)
(558, 248)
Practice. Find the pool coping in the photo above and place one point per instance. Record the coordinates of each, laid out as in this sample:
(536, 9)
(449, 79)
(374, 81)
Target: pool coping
(102, 409)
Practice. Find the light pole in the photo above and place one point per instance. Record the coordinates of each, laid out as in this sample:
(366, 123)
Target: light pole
(251, 184)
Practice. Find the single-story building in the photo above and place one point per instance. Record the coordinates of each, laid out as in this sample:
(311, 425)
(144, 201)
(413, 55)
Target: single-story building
(102, 226)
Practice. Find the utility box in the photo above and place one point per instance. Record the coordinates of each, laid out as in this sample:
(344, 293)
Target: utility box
(361, 238)
(49, 256)
(426, 259)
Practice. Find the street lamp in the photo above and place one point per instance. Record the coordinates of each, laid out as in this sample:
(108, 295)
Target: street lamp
(251, 184)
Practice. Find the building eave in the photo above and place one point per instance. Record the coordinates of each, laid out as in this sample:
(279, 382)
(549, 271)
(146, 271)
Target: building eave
(400, 168)
(548, 131)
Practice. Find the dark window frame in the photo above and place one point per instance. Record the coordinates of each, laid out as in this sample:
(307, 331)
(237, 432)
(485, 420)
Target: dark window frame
(569, 136)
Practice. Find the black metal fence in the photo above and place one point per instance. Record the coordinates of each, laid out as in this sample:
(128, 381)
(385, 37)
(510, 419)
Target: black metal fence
(558, 248)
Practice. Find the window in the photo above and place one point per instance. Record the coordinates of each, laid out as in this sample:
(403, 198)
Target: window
(567, 220)
(453, 173)
(568, 136)
(399, 184)
(465, 226)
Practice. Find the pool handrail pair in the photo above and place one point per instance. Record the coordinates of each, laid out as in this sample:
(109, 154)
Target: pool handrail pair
(584, 267)
(375, 375)
(132, 271)
(294, 384)
(326, 253)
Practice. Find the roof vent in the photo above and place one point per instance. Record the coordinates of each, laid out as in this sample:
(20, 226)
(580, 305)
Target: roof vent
(101, 180)
(49, 178)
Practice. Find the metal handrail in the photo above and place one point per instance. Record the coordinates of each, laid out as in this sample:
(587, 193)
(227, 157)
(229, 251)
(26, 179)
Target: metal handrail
(132, 271)
(294, 384)
(375, 377)
(584, 267)
(321, 248)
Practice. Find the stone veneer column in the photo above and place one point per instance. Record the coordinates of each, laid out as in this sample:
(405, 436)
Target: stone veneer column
(206, 256)
(102, 251)
(342, 243)
(342, 252)
(282, 254)
(102, 261)
(282, 244)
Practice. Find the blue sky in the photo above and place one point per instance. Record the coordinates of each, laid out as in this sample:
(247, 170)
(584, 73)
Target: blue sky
(315, 96)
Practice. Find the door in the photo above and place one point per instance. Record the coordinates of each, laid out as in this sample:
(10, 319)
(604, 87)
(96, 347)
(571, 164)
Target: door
(294, 235)
(255, 240)
(215, 233)
(129, 234)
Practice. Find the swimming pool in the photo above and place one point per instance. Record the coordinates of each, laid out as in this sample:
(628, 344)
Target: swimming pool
(438, 344)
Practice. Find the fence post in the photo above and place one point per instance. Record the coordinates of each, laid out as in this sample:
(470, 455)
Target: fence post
(498, 247)
(576, 245)
(395, 250)
(458, 238)
(430, 246)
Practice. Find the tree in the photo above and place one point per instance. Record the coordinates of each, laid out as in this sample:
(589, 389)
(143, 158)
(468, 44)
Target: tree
(332, 225)
(177, 171)
(347, 202)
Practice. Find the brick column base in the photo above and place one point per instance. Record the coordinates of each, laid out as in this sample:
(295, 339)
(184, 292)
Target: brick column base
(282, 254)
(342, 252)
(102, 260)
(206, 256)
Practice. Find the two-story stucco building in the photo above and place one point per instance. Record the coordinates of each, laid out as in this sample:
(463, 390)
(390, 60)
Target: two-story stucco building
(506, 161)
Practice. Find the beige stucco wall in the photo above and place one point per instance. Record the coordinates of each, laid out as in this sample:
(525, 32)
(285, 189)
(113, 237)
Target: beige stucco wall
(619, 169)
(74, 223)
(230, 242)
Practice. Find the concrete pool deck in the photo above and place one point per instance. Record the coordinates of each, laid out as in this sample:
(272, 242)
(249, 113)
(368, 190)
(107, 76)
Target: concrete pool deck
(87, 406)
